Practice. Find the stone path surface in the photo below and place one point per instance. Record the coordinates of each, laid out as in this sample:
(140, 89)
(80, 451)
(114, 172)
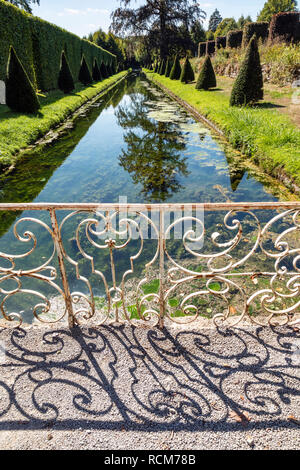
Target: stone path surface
(120, 387)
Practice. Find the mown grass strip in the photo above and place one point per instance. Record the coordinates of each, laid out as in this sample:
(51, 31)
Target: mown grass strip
(17, 131)
(260, 132)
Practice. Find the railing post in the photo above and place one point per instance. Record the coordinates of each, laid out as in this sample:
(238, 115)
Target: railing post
(59, 250)
(161, 267)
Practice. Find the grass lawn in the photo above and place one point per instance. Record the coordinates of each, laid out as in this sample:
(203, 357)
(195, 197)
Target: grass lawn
(260, 132)
(17, 130)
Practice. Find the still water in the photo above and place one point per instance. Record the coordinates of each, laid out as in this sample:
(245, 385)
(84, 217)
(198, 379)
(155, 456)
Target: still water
(135, 143)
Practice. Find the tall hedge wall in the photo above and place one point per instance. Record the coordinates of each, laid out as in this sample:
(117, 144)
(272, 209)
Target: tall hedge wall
(285, 26)
(235, 38)
(210, 47)
(261, 29)
(202, 49)
(39, 45)
(221, 42)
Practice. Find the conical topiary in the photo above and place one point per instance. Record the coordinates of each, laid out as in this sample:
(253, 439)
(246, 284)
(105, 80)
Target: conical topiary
(96, 72)
(19, 91)
(187, 73)
(65, 78)
(156, 67)
(248, 87)
(162, 67)
(84, 76)
(103, 70)
(207, 76)
(168, 67)
(176, 70)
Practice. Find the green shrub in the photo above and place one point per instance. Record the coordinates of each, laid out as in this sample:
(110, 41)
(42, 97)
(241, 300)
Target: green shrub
(96, 72)
(103, 70)
(260, 29)
(65, 79)
(162, 69)
(20, 93)
(187, 73)
(207, 76)
(38, 45)
(234, 38)
(84, 76)
(248, 87)
(168, 67)
(176, 69)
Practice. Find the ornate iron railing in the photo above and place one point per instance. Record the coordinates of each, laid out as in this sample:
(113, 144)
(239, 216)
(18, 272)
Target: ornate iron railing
(252, 275)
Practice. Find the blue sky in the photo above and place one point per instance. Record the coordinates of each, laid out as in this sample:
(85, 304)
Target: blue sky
(84, 16)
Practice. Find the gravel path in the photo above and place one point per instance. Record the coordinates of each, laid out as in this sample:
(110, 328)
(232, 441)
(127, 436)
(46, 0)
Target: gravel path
(119, 387)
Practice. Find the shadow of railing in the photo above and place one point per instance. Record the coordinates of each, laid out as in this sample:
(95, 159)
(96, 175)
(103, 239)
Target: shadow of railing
(127, 378)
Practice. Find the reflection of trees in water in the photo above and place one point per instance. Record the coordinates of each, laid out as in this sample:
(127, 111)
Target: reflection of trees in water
(153, 158)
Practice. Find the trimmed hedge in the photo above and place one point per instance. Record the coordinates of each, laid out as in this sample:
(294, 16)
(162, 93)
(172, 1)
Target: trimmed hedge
(65, 79)
(39, 45)
(19, 91)
(175, 73)
(221, 42)
(248, 87)
(210, 47)
(187, 72)
(234, 39)
(260, 29)
(285, 26)
(207, 76)
(201, 49)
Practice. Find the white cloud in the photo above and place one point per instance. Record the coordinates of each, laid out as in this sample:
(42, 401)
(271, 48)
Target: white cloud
(87, 11)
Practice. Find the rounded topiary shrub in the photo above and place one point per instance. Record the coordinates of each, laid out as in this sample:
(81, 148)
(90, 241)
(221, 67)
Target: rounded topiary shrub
(234, 39)
(176, 70)
(103, 70)
(187, 73)
(248, 87)
(207, 76)
(84, 76)
(96, 72)
(19, 92)
(65, 78)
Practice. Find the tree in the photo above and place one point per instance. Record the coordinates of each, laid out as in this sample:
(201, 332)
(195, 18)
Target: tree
(197, 34)
(96, 72)
(248, 87)
(84, 76)
(226, 25)
(65, 78)
(207, 77)
(242, 21)
(214, 21)
(156, 17)
(187, 73)
(20, 94)
(176, 70)
(24, 4)
(210, 35)
(271, 7)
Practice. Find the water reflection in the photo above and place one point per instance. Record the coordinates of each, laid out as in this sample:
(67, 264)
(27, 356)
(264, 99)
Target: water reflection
(154, 157)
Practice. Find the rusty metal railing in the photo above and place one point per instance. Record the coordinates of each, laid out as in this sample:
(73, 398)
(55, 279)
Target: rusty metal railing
(243, 265)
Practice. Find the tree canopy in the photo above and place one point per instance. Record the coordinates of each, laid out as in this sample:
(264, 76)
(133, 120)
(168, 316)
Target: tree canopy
(214, 20)
(24, 4)
(158, 18)
(271, 7)
(226, 25)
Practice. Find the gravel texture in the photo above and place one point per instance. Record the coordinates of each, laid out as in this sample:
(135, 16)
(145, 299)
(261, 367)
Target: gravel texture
(123, 387)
